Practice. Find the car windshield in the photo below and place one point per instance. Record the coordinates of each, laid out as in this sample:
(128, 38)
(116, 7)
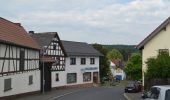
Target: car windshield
(154, 93)
(167, 95)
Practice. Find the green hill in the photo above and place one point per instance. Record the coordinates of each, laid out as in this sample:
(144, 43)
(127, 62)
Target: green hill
(126, 50)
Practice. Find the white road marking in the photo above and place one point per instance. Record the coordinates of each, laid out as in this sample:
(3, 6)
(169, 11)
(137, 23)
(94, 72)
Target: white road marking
(126, 96)
(61, 95)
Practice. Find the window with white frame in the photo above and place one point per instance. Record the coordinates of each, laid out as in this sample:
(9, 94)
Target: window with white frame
(83, 61)
(72, 61)
(92, 60)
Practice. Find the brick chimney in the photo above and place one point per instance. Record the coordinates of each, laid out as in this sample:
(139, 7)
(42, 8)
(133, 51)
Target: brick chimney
(31, 32)
(18, 24)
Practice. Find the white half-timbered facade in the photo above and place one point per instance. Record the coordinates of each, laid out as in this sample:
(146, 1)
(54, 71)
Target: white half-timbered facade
(52, 57)
(19, 60)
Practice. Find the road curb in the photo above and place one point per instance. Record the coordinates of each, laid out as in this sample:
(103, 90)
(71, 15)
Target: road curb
(126, 96)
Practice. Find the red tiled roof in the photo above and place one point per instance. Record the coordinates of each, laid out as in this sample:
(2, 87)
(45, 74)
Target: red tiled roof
(15, 34)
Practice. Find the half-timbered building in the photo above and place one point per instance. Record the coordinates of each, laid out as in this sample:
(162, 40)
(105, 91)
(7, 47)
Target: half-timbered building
(52, 57)
(19, 60)
(69, 63)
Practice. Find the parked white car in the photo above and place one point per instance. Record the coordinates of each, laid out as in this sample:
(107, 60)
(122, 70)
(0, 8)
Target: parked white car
(157, 93)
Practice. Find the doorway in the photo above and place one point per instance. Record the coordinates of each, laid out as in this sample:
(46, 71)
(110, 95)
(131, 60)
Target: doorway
(95, 77)
(47, 77)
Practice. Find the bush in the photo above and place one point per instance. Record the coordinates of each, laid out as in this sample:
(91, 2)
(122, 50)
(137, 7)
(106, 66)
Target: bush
(158, 67)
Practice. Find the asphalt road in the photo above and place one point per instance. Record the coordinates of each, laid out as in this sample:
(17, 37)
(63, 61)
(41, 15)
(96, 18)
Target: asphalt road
(99, 93)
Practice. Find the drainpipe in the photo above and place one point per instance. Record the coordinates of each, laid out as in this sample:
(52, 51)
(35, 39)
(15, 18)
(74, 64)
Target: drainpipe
(43, 74)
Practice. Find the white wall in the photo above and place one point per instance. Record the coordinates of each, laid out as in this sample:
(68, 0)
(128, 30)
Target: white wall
(62, 78)
(122, 73)
(75, 69)
(20, 83)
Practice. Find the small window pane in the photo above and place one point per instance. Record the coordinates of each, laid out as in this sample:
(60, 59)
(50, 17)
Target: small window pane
(167, 95)
(57, 77)
(72, 61)
(83, 61)
(30, 79)
(163, 51)
(92, 61)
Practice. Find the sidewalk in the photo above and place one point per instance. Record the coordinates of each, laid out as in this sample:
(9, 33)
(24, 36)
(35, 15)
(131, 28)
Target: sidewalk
(54, 94)
(133, 96)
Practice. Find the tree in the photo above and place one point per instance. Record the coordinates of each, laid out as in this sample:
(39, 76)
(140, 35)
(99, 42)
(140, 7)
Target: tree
(105, 71)
(114, 54)
(158, 67)
(133, 67)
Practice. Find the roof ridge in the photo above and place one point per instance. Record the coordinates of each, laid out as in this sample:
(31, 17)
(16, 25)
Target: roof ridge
(74, 41)
(46, 33)
(10, 22)
(153, 33)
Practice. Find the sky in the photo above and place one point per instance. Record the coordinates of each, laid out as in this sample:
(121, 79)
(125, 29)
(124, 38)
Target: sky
(91, 21)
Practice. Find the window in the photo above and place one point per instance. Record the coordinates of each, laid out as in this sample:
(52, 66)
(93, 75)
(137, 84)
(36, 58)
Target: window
(7, 84)
(57, 61)
(92, 61)
(30, 80)
(71, 77)
(72, 61)
(87, 77)
(54, 47)
(154, 93)
(22, 60)
(56, 77)
(167, 95)
(83, 61)
(163, 51)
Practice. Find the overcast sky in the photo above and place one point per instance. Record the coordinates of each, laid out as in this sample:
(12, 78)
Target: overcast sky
(91, 21)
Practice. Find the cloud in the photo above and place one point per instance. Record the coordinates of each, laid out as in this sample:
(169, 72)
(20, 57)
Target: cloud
(104, 21)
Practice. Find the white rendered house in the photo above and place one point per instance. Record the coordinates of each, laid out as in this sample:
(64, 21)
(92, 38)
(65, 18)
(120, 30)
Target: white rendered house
(82, 63)
(19, 60)
(117, 72)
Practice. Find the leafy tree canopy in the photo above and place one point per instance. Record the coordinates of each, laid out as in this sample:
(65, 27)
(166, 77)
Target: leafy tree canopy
(133, 67)
(114, 54)
(105, 71)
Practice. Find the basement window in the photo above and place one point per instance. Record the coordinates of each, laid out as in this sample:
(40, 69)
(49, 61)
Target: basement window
(7, 84)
